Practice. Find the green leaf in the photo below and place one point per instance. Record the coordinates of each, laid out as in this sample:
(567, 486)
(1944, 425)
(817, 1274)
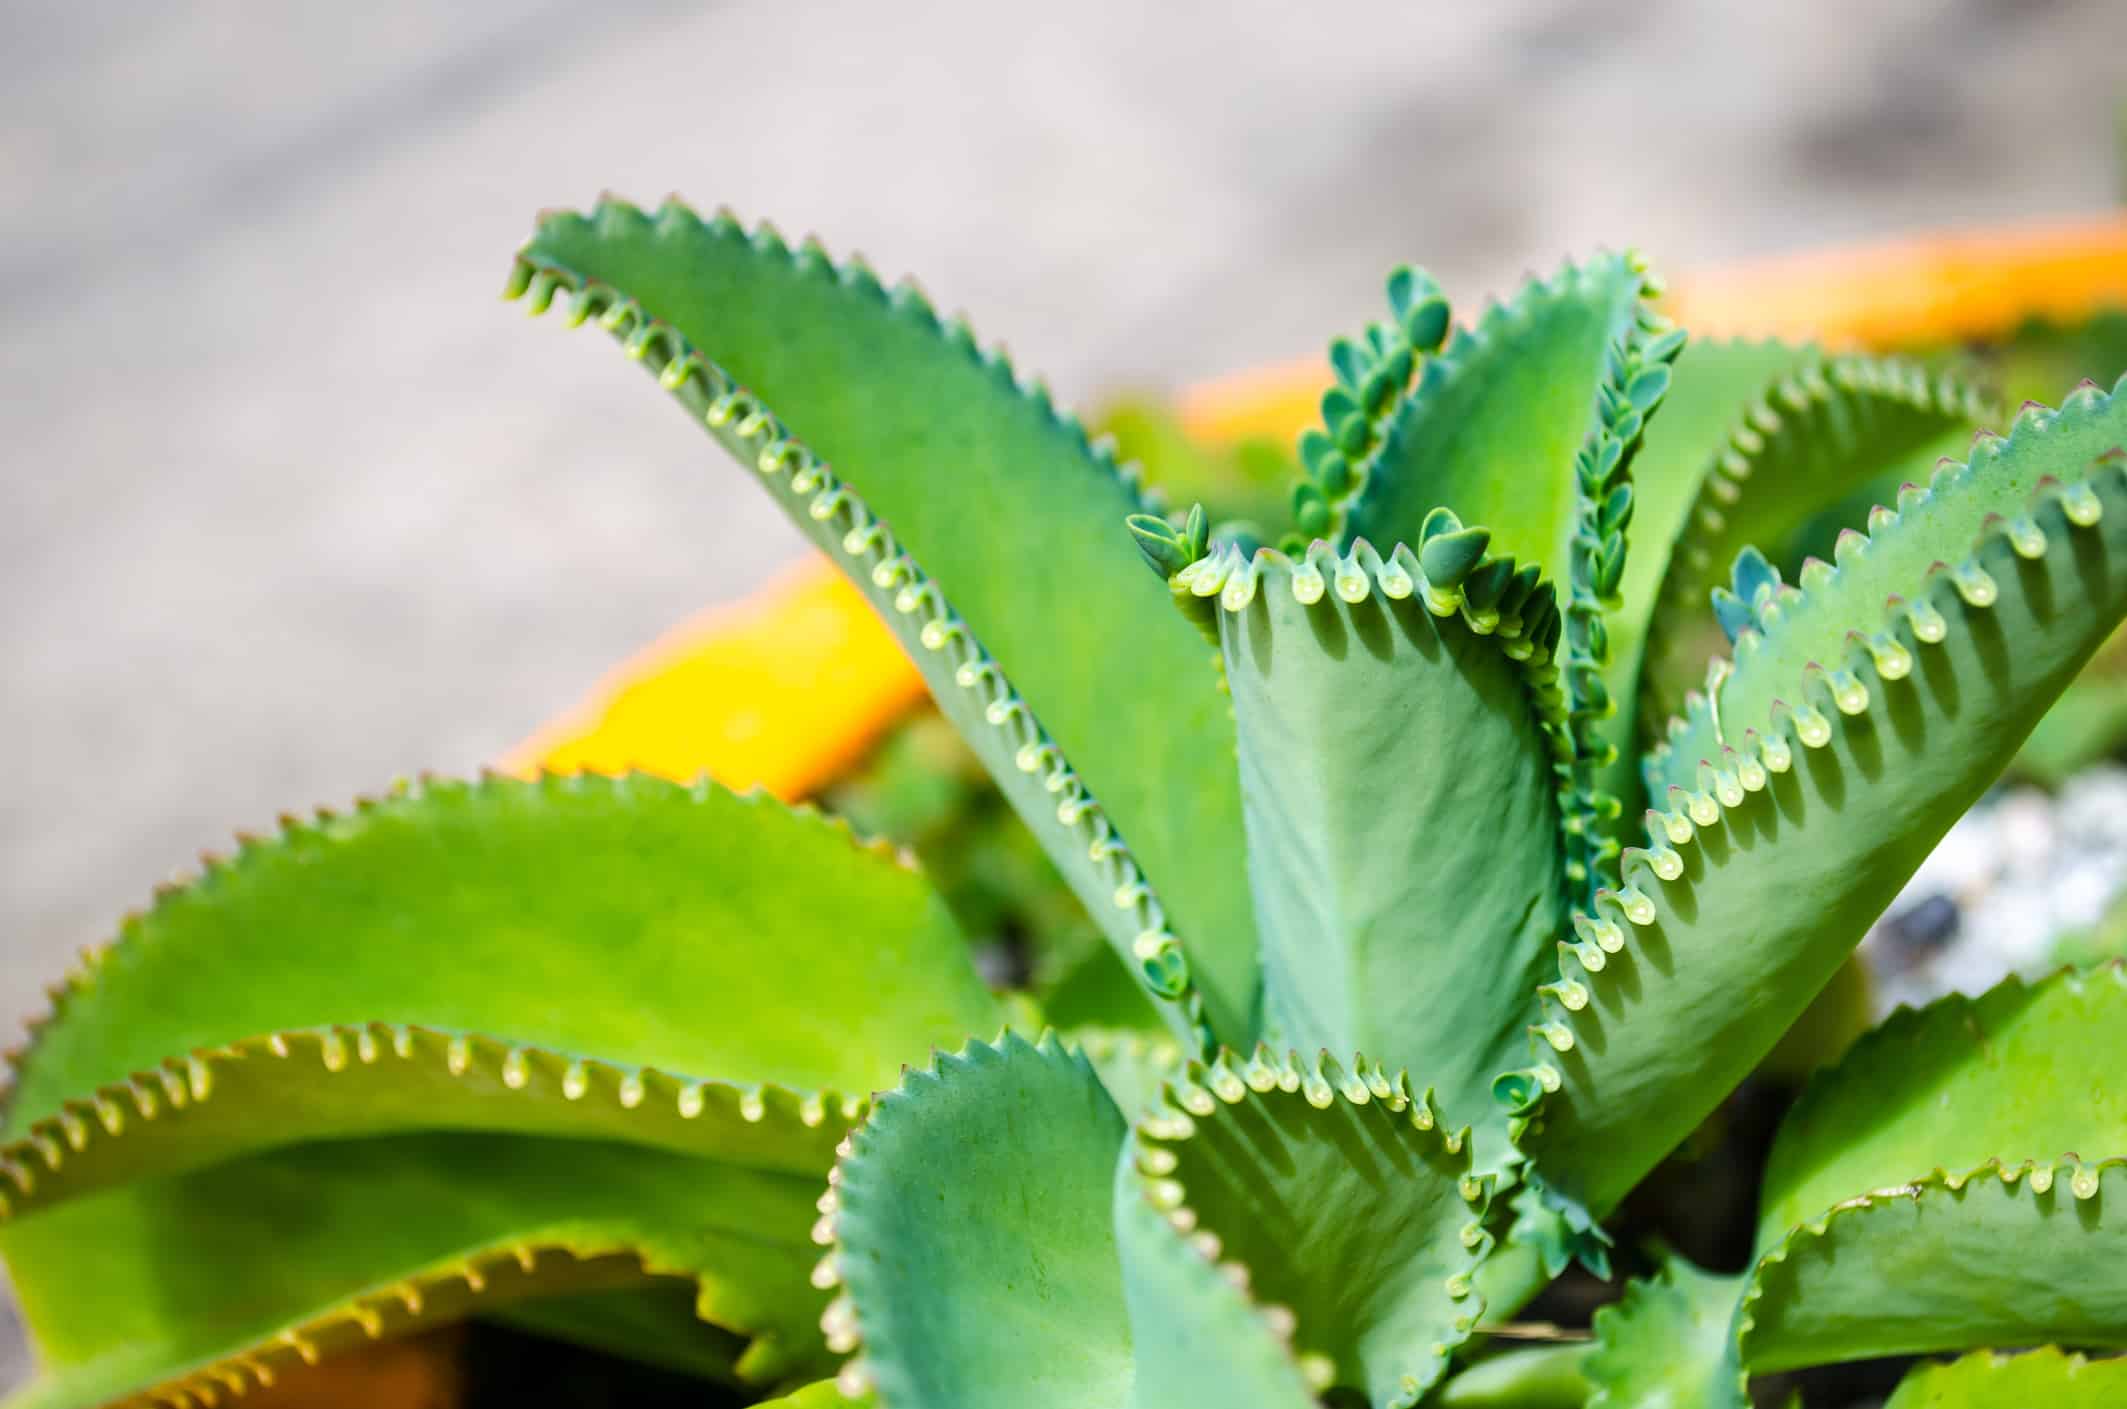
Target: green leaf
(341, 1082)
(1653, 1345)
(2001, 1255)
(1809, 437)
(1331, 1194)
(1494, 423)
(1018, 592)
(2024, 1071)
(500, 955)
(1799, 826)
(1395, 864)
(1200, 1340)
(1988, 1379)
(211, 1281)
(1635, 383)
(1714, 381)
(1922, 1195)
(1804, 647)
(971, 1225)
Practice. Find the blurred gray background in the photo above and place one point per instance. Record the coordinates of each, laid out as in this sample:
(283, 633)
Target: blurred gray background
(291, 504)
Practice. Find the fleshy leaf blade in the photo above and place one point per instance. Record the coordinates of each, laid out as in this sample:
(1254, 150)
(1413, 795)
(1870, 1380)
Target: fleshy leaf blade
(1335, 1196)
(1922, 1195)
(1028, 547)
(825, 1394)
(1826, 430)
(503, 955)
(1199, 1340)
(1948, 1185)
(2024, 1071)
(1713, 380)
(1654, 1344)
(1397, 774)
(212, 1279)
(348, 1082)
(2001, 1255)
(971, 1233)
(1796, 832)
(1493, 424)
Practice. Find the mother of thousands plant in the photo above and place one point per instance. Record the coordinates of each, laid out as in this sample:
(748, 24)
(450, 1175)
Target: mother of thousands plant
(1442, 974)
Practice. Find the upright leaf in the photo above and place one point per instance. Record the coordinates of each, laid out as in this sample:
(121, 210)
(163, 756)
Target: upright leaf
(1397, 771)
(1528, 426)
(1805, 439)
(1373, 374)
(1492, 427)
(1015, 588)
(1713, 381)
(1786, 830)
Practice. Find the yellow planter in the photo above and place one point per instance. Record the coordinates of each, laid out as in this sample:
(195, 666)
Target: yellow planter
(789, 687)
(784, 690)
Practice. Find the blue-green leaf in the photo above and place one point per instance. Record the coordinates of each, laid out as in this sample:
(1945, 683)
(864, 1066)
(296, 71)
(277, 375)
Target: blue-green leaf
(980, 517)
(1397, 771)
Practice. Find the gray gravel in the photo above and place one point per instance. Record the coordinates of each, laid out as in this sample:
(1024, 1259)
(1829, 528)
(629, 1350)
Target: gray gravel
(292, 505)
(2017, 873)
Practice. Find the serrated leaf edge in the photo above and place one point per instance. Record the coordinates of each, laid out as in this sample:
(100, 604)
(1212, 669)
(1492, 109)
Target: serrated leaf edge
(136, 928)
(841, 1323)
(383, 1313)
(1601, 467)
(2041, 1176)
(1602, 928)
(1838, 682)
(1667, 1285)
(811, 257)
(1500, 319)
(1524, 622)
(33, 1167)
(1792, 404)
(910, 602)
(1204, 1089)
(1908, 1020)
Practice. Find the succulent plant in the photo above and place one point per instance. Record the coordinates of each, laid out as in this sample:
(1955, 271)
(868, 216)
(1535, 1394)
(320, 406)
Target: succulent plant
(1448, 944)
